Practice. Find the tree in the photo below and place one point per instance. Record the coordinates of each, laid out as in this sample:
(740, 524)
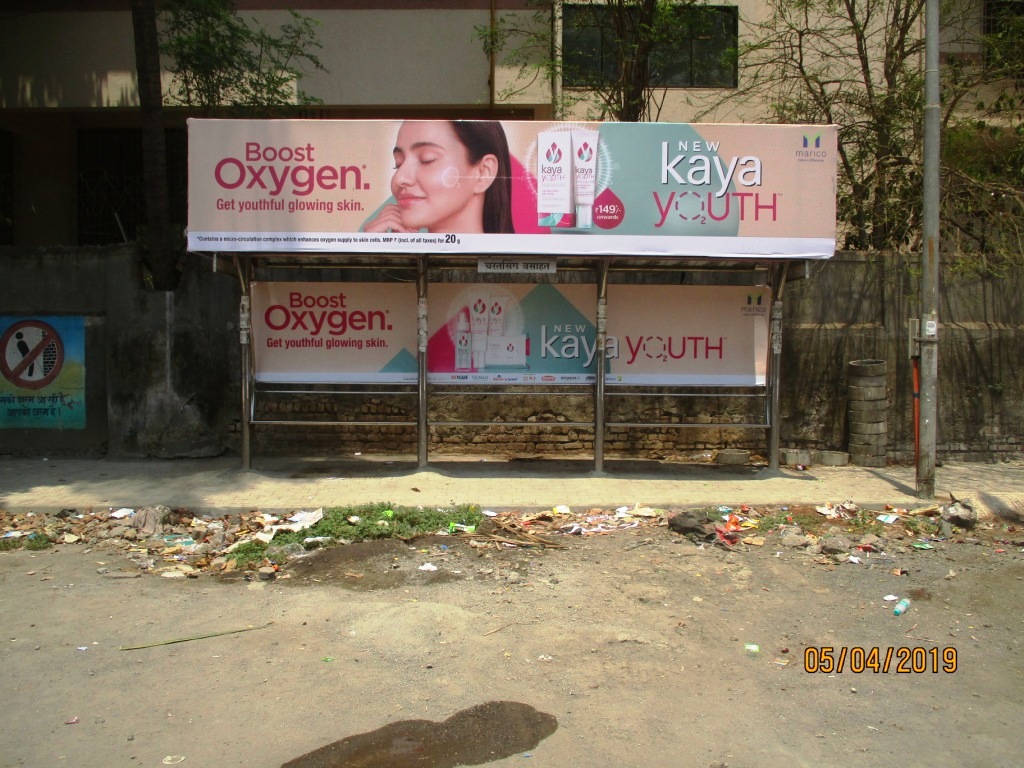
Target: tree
(983, 157)
(161, 255)
(219, 60)
(615, 58)
(858, 64)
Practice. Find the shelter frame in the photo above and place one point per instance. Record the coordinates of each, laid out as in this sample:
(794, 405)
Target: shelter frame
(773, 274)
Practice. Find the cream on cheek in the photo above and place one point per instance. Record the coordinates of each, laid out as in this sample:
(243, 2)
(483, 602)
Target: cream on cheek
(450, 177)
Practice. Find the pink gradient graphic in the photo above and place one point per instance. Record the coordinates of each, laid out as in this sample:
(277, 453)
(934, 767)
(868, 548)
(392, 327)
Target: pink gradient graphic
(441, 346)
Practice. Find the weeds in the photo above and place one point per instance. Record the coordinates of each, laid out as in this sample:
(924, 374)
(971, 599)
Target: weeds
(248, 554)
(369, 521)
(34, 542)
(383, 521)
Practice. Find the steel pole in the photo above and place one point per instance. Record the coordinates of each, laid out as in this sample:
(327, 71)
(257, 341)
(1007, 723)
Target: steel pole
(599, 382)
(929, 338)
(421, 359)
(244, 326)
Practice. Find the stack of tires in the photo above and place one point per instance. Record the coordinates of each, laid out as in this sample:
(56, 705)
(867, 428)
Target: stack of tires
(866, 409)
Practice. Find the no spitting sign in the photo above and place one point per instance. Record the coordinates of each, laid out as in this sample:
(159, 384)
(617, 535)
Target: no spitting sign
(31, 354)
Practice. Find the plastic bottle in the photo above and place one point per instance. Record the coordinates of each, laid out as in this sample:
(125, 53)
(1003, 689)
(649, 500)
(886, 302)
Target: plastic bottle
(901, 607)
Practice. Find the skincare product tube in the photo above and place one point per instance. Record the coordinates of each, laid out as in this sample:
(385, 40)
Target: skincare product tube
(584, 163)
(554, 179)
(496, 316)
(508, 351)
(478, 330)
(463, 343)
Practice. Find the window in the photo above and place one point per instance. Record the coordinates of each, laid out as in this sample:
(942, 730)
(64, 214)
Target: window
(695, 46)
(6, 188)
(111, 196)
(1000, 16)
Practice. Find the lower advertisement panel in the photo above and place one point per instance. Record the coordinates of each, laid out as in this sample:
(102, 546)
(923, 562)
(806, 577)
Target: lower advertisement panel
(510, 333)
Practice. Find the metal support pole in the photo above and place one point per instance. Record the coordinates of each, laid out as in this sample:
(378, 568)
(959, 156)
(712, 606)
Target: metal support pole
(930, 257)
(774, 382)
(244, 326)
(421, 360)
(599, 365)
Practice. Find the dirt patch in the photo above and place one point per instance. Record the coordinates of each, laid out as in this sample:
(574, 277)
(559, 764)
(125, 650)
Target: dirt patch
(639, 642)
(380, 564)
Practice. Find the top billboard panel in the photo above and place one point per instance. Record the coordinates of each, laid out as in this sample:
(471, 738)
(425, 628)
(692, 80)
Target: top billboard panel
(506, 187)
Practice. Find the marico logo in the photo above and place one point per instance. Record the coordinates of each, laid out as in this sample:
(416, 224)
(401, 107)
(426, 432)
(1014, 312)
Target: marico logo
(586, 152)
(753, 306)
(479, 307)
(554, 154)
(815, 141)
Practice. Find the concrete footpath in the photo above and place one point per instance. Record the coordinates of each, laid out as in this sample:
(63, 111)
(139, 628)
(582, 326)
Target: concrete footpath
(219, 485)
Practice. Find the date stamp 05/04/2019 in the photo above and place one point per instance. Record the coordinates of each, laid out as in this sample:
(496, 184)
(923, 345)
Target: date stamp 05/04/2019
(858, 659)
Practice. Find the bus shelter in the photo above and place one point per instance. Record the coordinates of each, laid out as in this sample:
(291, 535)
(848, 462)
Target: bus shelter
(426, 259)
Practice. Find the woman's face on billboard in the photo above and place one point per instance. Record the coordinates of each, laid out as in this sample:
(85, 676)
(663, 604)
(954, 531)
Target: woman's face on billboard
(434, 183)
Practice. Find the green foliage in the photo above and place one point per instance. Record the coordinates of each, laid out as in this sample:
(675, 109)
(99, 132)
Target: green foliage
(983, 199)
(383, 520)
(220, 60)
(859, 66)
(33, 542)
(248, 554)
(613, 63)
(37, 541)
(772, 520)
(856, 66)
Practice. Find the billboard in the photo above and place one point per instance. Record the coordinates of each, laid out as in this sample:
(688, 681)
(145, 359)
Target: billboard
(512, 187)
(356, 333)
(510, 333)
(688, 335)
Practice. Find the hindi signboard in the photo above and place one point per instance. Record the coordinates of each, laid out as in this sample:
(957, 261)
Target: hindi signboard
(42, 372)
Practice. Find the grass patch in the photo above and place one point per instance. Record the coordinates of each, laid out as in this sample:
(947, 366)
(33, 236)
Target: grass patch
(384, 521)
(772, 520)
(34, 542)
(37, 541)
(248, 554)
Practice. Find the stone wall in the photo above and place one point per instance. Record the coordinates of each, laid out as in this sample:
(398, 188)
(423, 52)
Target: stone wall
(163, 373)
(161, 368)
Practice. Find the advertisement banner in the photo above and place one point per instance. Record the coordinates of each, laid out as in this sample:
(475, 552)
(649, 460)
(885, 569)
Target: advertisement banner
(500, 333)
(42, 372)
(687, 335)
(508, 187)
(358, 333)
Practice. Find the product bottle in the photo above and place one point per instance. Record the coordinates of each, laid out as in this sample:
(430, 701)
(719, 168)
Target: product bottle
(901, 607)
(463, 343)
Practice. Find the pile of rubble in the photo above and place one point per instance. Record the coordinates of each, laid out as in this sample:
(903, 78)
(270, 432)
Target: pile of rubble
(157, 539)
(176, 543)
